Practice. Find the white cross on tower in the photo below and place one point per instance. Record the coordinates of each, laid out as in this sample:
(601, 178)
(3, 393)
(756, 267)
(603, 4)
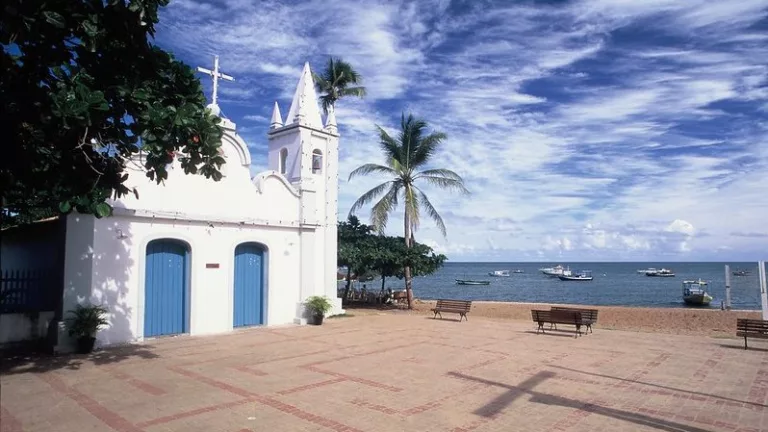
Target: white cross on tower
(216, 75)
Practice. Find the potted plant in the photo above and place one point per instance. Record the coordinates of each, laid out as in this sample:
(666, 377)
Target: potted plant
(84, 323)
(318, 306)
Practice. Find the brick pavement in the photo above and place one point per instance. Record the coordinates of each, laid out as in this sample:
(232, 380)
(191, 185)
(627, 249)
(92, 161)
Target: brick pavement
(397, 372)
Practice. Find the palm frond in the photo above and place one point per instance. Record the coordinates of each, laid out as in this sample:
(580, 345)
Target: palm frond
(392, 149)
(432, 212)
(426, 149)
(381, 210)
(353, 91)
(321, 84)
(369, 196)
(446, 183)
(371, 168)
(440, 172)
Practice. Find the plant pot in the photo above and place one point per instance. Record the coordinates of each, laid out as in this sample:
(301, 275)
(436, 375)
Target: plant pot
(317, 319)
(85, 344)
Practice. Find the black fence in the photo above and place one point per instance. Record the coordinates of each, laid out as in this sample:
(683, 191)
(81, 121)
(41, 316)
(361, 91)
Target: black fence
(28, 290)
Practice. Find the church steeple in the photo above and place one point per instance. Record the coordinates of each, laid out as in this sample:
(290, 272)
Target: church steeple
(304, 109)
(330, 121)
(277, 119)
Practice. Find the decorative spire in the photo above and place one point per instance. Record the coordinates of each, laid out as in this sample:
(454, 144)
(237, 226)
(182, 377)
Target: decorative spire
(277, 119)
(304, 109)
(330, 121)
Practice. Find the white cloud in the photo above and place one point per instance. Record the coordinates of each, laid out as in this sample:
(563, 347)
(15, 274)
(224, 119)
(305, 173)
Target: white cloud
(551, 118)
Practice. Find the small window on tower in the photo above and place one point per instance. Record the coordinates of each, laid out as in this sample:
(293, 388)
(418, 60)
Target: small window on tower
(317, 162)
(283, 162)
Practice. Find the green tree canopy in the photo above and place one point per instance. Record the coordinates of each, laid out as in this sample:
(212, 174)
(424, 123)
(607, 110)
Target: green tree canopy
(337, 80)
(83, 90)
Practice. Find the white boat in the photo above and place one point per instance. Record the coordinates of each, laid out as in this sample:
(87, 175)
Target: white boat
(499, 273)
(518, 271)
(695, 293)
(581, 275)
(555, 271)
(661, 273)
(648, 270)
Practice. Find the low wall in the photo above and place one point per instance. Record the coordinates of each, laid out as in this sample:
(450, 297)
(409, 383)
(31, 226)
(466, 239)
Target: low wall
(663, 320)
(18, 327)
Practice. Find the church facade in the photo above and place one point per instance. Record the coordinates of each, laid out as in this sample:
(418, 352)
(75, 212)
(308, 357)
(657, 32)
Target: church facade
(194, 256)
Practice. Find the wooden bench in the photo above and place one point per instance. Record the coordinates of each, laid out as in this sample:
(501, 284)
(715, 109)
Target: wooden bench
(753, 328)
(460, 307)
(570, 317)
(588, 316)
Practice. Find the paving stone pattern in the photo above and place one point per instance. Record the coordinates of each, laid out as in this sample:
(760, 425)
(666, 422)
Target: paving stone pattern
(397, 373)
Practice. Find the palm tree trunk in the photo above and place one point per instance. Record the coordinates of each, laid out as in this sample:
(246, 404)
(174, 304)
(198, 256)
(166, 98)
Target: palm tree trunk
(407, 269)
(346, 289)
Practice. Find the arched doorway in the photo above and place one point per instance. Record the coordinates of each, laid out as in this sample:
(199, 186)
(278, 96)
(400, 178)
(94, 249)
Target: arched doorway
(166, 288)
(248, 299)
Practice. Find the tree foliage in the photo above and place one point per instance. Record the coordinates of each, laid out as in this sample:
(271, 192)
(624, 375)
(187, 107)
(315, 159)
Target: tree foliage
(337, 80)
(363, 251)
(83, 91)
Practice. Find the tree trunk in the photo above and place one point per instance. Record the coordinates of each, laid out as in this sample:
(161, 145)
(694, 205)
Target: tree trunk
(407, 269)
(346, 289)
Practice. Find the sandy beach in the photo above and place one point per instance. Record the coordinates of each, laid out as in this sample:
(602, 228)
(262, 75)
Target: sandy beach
(712, 322)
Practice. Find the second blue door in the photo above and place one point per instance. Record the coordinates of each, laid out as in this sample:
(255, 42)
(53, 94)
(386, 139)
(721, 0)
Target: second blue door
(248, 297)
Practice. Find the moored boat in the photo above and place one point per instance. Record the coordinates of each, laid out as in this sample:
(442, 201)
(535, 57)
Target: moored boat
(499, 273)
(695, 293)
(661, 273)
(554, 271)
(741, 273)
(518, 271)
(648, 270)
(580, 275)
(472, 282)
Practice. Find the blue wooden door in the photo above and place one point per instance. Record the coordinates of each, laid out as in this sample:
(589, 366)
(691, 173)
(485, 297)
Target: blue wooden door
(249, 282)
(165, 298)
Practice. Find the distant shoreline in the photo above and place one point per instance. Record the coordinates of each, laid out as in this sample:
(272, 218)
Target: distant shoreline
(711, 322)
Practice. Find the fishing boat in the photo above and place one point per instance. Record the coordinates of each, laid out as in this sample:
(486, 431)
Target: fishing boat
(554, 271)
(580, 275)
(499, 273)
(518, 271)
(695, 293)
(472, 282)
(741, 273)
(648, 270)
(661, 273)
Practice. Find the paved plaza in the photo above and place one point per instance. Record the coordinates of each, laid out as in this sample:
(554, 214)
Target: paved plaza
(396, 372)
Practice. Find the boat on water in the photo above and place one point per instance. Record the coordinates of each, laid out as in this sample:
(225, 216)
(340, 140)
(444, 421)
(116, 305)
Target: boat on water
(499, 273)
(695, 293)
(580, 275)
(554, 271)
(648, 270)
(741, 273)
(472, 282)
(661, 273)
(518, 271)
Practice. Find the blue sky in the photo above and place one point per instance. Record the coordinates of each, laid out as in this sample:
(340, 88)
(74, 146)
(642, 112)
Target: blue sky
(594, 130)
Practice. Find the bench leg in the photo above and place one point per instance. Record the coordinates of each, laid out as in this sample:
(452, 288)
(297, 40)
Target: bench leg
(435, 317)
(441, 315)
(540, 327)
(745, 342)
(578, 330)
(589, 328)
(465, 317)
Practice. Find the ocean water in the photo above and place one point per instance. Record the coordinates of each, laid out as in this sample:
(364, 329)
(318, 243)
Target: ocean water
(616, 284)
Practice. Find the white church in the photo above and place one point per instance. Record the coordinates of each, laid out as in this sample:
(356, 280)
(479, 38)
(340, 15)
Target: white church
(195, 256)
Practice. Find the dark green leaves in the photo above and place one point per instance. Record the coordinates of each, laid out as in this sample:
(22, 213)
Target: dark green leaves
(54, 18)
(84, 85)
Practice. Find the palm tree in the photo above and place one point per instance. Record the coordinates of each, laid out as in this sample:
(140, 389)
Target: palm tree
(337, 81)
(406, 157)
